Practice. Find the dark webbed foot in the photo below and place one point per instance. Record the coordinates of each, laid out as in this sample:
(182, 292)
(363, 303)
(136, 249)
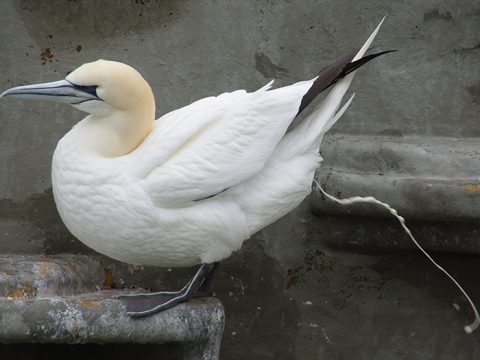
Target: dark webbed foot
(145, 304)
(139, 305)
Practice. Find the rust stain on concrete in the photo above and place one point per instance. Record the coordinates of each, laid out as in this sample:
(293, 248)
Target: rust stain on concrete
(90, 304)
(109, 282)
(472, 188)
(23, 292)
(45, 270)
(72, 268)
(46, 55)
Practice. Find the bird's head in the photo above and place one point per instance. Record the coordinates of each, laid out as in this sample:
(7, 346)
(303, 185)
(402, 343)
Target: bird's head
(99, 88)
(120, 102)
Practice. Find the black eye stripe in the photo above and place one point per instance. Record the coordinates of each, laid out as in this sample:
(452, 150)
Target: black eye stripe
(89, 89)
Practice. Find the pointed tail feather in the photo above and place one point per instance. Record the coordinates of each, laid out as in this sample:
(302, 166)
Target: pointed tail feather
(334, 72)
(369, 41)
(324, 116)
(326, 77)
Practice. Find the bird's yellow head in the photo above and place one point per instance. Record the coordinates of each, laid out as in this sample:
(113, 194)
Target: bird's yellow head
(116, 84)
(120, 102)
(97, 88)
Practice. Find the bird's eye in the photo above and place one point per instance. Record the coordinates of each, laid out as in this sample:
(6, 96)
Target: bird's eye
(90, 89)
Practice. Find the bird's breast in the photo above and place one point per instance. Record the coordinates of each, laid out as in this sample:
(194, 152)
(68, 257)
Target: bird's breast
(97, 203)
(110, 211)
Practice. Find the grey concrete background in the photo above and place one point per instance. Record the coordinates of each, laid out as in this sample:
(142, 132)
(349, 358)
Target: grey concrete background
(288, 294)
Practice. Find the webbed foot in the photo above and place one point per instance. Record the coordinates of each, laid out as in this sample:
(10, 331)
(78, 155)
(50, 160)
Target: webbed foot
(139, 305)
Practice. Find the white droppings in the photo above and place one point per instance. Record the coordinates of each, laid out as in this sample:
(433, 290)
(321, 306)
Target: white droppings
(308, 302)
(371, 200)
(324, 332)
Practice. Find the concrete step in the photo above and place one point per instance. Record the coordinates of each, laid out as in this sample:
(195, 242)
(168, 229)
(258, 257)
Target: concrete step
(50, 300)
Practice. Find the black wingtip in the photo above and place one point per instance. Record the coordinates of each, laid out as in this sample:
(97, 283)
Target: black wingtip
(326, 77)
(334, 72)
(354, 65)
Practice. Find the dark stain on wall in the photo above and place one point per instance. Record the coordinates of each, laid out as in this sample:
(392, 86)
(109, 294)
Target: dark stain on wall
(437, 14)
(474, 92)
(267, 68)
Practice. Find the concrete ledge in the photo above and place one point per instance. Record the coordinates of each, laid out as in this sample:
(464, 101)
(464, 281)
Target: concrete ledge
(28, 276)
(423, 178)
(44, 299)
(97, 318)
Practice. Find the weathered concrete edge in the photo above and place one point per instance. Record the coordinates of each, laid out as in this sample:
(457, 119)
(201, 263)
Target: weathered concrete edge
(423, 178)
(30, 276)
(98, 318)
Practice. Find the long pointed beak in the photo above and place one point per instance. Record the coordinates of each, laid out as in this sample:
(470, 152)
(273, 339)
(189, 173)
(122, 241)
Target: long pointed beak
(59, 91)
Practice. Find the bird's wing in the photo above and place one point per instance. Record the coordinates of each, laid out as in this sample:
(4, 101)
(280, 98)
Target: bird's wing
(205, 148)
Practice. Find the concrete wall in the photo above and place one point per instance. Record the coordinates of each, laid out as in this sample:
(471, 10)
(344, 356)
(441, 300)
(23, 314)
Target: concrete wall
(414, 119)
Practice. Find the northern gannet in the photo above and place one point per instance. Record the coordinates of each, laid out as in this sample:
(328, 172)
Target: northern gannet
(190, 187)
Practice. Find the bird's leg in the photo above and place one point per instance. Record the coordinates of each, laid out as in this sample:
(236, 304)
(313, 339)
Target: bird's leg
(146, 304)
(206, 289)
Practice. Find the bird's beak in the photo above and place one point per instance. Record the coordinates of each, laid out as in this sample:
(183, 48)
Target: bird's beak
(60, 91)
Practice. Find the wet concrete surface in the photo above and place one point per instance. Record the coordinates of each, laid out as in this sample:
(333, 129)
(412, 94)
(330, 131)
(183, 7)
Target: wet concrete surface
(381, 305)
(100, 318)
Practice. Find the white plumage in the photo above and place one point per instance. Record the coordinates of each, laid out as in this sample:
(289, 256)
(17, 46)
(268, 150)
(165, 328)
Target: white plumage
(144, 208)
(190, 187)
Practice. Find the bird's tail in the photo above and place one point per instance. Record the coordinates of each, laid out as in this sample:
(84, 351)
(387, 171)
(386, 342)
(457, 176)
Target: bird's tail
(334, 72)
(340, 75)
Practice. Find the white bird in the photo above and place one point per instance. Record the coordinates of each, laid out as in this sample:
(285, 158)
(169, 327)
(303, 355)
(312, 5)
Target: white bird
(190, 187)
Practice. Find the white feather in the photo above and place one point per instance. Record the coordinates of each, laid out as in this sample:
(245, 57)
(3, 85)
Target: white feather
(242, 132)
(143, 208)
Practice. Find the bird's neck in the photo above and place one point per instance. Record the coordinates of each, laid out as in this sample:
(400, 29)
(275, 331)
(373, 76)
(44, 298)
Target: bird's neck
(115, 134)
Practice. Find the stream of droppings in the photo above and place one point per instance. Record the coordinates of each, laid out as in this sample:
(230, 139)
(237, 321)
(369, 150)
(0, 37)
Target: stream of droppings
(371, 200)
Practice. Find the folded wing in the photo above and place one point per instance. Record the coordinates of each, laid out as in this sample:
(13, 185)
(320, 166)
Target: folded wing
(209, 146)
